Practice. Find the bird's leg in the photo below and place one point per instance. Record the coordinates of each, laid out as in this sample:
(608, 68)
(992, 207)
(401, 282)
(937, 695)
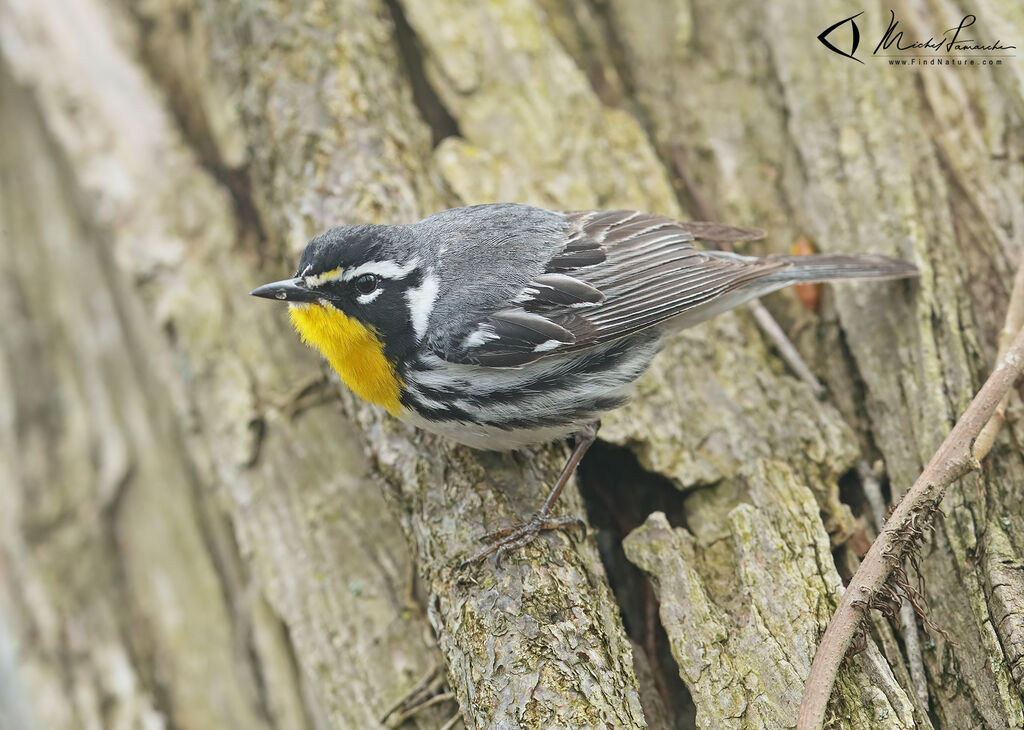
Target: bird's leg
(509, 538)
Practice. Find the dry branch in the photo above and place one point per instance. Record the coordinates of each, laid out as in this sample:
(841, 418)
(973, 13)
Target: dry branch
(1012, 325)
(954, 458)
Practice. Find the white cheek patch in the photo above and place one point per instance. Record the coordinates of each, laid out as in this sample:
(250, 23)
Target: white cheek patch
(383, 269)
(421, 303)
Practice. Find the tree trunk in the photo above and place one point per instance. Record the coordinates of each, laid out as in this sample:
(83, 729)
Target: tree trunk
(201, 529)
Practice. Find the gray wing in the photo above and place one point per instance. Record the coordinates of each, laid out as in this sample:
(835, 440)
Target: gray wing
(618, 272)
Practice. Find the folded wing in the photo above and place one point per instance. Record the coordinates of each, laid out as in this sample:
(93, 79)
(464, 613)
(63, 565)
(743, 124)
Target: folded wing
(619, 272)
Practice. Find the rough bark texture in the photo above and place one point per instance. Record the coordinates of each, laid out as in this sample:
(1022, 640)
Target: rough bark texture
(200, 529)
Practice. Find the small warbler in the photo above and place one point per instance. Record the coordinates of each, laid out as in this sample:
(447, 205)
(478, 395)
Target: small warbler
(505, 325)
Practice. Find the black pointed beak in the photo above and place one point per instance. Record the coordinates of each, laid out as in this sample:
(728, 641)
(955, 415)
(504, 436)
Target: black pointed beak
(286, 290)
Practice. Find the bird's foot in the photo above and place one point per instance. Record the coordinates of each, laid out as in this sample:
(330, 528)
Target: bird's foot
(500, 542)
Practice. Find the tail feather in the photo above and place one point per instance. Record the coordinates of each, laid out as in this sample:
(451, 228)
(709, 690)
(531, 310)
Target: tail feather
(825, 267)
(794, 270)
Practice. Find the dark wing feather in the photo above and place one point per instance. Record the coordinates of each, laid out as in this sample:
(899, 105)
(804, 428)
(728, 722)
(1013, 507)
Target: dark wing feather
(619, 272)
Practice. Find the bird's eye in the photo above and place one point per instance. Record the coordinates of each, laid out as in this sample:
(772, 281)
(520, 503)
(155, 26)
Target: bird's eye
(366, 284)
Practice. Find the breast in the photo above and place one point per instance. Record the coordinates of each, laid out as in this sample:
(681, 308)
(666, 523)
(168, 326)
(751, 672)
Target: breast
(354, 351)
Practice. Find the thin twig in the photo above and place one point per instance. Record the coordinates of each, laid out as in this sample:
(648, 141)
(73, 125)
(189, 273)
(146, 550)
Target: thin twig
(873, 491)
(908, 619)
(700, 208)
(397, 720)
(1014, 321)
(451, 723)
(786, 349)
(423, 684)
(912, 645)
(954, 458)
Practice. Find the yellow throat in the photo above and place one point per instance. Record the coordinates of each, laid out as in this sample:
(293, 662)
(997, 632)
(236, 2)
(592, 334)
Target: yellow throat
(353, 350)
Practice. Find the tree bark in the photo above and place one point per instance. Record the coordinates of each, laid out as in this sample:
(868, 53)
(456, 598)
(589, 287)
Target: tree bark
(201, 529)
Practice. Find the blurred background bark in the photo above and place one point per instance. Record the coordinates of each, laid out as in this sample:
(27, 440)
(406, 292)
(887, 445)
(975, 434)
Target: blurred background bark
(201, 529)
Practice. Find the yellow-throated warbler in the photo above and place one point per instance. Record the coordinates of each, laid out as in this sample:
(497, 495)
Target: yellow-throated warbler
(505, 325)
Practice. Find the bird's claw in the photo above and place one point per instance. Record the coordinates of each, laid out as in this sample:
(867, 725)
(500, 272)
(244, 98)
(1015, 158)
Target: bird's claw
(501, 542)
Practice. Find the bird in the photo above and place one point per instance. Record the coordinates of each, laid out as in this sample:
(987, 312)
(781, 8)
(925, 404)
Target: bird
(502, 326)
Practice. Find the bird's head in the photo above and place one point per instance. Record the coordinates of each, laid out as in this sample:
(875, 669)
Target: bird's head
(362, 296)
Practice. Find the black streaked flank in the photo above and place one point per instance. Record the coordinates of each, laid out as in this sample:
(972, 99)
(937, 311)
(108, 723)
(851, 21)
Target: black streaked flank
(556, 394)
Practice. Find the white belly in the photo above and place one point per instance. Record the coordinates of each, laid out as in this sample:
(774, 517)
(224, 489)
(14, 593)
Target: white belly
(492, 438)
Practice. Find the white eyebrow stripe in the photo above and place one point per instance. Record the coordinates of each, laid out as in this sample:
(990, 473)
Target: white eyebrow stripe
(421, 303)
(383, 269)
